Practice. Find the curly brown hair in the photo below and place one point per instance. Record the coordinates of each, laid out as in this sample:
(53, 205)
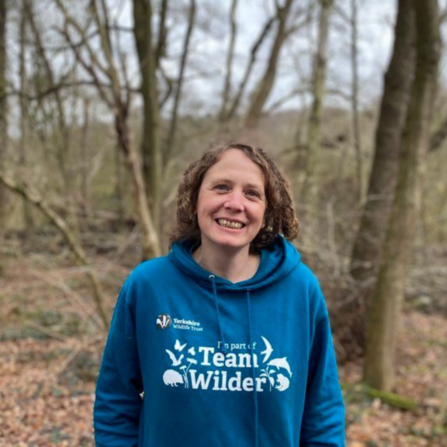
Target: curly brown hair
(280, 217)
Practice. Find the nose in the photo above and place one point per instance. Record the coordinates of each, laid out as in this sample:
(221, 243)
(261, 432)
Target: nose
(235, 201)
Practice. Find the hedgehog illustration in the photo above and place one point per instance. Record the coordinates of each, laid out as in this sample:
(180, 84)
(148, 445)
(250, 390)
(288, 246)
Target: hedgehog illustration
(172, 378)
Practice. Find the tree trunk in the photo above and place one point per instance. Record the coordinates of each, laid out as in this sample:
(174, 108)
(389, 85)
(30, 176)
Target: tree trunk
(119, 187)
(150, 240)
(85, 193)
(162, 33)
(439, 136)
(383, 321)
(355, 101)
(265, 85)
(3, 117)
(150, 145)
(63, 131)
(309, 194)
(253, 54)
(118, 101)
(376, 212)
(170, 140)
(229, 64)
(28, 219)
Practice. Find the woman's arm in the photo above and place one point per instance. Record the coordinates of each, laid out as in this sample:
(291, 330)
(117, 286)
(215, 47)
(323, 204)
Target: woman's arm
(116, 414)
(324, 417)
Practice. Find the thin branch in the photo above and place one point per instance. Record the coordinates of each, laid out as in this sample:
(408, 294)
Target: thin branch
(32, 196)
(277, 104)
(45, 331)
(66, 85)
(89, 68)
(248, 71)
(170, 142)
(69, 21)
(162, 33)
(169, 83)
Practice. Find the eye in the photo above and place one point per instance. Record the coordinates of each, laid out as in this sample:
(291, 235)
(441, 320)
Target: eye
(253, 193)
(221, 187)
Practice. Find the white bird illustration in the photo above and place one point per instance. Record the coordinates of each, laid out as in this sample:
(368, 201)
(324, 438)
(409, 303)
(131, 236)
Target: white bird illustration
(192, 351)
(268, 351)
(174, 360)
(281, 363)
(178, 346)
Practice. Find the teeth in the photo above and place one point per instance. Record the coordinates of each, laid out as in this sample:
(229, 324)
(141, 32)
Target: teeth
(229, 224)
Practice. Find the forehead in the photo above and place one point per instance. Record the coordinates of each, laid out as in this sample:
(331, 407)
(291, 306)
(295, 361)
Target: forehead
(235, 165)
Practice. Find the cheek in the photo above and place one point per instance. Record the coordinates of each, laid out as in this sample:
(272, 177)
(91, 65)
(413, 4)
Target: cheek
(205, 206)
(199, 203)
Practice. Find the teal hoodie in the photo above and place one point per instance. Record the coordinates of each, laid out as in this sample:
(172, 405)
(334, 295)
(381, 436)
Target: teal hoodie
(194, 360)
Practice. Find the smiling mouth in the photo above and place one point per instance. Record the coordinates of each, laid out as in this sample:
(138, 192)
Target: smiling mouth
(230, 224)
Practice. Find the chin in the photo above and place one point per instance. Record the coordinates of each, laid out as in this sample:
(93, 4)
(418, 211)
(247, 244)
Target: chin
(228, 244)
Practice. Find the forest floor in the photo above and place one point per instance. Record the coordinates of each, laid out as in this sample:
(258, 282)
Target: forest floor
(50, 349)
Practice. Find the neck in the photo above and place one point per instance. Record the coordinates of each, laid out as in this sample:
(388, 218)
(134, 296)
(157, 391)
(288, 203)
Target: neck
(235, 266)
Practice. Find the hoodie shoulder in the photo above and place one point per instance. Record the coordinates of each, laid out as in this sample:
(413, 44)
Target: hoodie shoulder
(149, 270)
(307, 276)
(311, 286)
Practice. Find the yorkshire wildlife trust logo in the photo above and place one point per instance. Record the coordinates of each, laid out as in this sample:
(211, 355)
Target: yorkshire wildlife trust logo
(163, 321)
(223, 371)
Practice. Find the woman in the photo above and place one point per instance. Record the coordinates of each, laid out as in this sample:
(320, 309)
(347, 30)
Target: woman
(225, 341)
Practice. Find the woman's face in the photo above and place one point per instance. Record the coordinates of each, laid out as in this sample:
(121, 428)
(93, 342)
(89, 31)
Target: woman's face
(231, 202)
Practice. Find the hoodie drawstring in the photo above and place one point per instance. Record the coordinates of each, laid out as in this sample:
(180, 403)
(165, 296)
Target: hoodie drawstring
(253, 373)
(213, 282)
(224, 349)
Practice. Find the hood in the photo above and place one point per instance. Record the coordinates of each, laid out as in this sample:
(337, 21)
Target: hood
(277, 261)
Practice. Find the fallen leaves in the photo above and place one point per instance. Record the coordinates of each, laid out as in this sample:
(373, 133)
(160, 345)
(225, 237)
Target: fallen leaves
(47, 383)
(422, 360)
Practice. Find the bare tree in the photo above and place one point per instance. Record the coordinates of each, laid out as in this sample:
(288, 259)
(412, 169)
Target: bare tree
(368, 243)
(229, 64)
(24, 108)
(309, 193)
(172, 132)
(32, 196)
(162, 33)
(383, 320)
(265, 84)
(52, 84)
(117, 97)
(85, 194)
(3, 114)
(150, 144)
(355, 100)
(233, 108)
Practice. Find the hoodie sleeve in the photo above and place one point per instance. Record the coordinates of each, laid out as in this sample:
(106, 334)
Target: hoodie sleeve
(324, 417)
(118, 402)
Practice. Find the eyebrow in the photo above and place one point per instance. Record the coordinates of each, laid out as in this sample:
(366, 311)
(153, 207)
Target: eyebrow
(248, 185)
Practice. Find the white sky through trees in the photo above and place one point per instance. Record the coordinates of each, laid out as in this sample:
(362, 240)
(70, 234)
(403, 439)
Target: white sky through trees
(204, 77)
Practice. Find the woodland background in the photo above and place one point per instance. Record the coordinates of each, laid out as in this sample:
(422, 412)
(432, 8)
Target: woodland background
(103, 103)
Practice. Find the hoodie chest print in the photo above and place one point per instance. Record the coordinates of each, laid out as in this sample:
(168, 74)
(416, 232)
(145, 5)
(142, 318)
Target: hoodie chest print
(207, 368)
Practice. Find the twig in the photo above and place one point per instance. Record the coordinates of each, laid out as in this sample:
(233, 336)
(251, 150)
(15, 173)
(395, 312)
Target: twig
(47, 332)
